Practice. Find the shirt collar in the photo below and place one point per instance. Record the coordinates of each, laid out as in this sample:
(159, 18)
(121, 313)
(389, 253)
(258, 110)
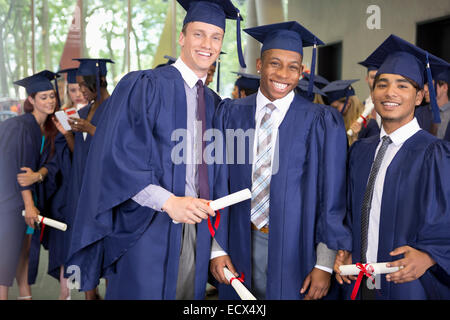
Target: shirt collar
(188, 75)
(445, 107)
(281, 104)
(403, 133)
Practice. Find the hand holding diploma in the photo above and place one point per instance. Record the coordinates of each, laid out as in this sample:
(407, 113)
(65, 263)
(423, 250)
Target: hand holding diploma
(50, 222)
(240, 289)
(361, 118)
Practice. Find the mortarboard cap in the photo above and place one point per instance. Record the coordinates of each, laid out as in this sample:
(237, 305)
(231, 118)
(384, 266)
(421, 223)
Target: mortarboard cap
(71, 74)
(40, 81)
(303, 85)
(170, 60)
(340, 89)
(214, 12)
(247, 81)
(441, 74)
(319, 81)
(398, 56)
(287, 36)
(370, 67)
(93, 67)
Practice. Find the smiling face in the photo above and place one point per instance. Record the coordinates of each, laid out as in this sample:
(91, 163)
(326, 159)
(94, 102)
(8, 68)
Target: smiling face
(74, 91)
(87, 90)
(44, 102)
(200, 46)
(395, 99)
(280, 72)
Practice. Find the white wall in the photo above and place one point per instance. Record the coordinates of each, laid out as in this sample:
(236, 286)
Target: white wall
(346, 21)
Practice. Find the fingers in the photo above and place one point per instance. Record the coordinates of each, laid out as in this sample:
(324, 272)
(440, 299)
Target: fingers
(217, 265)
(203, 205)
(306, 284)
(399, 250)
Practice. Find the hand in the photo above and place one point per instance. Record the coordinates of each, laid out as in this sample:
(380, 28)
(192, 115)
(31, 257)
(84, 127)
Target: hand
(356, 127)
(187, 209)
(318, 282)
(31, 215)
(59, 126)
(28, 177)
(216, 266)
(415, 264)
(81, 125)
(343, 257)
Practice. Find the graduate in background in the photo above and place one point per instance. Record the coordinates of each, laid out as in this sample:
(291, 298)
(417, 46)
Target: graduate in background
(442, 81)
(22, 141)
(399, 187)
(140, 177)
(302, 89)
(342, 96)
(284, 239)
(91, 77)
(245, 85)
(74, 96)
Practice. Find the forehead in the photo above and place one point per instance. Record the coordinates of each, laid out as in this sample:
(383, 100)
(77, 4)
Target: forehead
(204, 27)
(282, 54)
(392, 77)
(43, 93)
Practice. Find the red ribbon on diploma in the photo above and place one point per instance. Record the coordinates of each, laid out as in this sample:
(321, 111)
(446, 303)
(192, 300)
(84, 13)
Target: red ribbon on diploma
(241, 278)
(216, 223)
(364, 121)
(364, 271)
(42, 229)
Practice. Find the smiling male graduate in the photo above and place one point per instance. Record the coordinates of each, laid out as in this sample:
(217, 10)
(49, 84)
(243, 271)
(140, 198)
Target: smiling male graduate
(399, 186)
(134, 186)
(282, 239)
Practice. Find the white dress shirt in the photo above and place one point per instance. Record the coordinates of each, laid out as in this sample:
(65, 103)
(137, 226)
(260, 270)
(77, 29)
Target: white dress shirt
(398, 137)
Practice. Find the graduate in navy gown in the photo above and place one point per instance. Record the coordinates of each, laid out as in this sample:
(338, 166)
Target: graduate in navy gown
(91, 78)
(22, 141)
(245, 85)
(284, 239)
(142, 174)
(399, 187)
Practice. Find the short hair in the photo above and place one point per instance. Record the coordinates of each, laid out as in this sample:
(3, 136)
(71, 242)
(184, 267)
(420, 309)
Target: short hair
(412, 82)
(441, 83)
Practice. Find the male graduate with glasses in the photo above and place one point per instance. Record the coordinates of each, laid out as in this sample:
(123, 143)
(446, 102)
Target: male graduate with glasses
(399, 186)
(136, 188)
(283, 239)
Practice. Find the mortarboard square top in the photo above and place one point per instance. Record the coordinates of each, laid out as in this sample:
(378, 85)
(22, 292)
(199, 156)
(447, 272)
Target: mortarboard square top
(211, 11)
(370, 67)
(71, 74)
(339, 89)
(38, 82)
(88, 67)
(303, 85)
(247, 81)
(319, 81)
(441, 74)
(286, 35)
(397, 56)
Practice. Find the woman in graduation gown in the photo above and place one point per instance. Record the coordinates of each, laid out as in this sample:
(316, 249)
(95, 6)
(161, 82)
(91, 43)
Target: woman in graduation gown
(21, 144)
(91, 78)
(414, 200)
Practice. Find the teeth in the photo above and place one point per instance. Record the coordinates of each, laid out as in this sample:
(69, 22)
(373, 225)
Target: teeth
(280, 86)
(390, 104)
(204, 54)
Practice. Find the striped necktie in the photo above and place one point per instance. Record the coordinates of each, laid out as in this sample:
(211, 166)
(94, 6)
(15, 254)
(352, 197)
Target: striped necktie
(262, 171)
(367, 200)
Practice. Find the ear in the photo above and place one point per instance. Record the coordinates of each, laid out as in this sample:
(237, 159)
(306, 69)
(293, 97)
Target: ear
(30, 100)
(419, 97)
(243, 95)
(181, 39)
(258, 65)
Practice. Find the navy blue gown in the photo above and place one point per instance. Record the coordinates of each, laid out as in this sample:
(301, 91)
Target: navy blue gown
(20, 143)
(135, 247)
(415, 210)
(307, 194)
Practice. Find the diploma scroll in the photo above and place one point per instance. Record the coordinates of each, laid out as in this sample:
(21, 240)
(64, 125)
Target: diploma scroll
(240, 289)
(365, 113)
(229, 200)
(378, 268)
(50, 222)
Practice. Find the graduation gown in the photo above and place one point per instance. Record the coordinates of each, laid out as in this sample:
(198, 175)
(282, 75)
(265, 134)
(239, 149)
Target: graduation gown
(424, 117)
(415, 210)
(307, 194)
(447, 133)
(136, 247)
(371, 129)
(20, 143)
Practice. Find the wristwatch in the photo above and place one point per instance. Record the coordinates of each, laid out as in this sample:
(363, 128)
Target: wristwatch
(41, 178)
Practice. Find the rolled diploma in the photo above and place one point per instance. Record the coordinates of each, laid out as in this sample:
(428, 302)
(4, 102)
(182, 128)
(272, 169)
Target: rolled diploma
(240, 289)
(229, 200)
(378, 268)
(365, 113)
(50, 222)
